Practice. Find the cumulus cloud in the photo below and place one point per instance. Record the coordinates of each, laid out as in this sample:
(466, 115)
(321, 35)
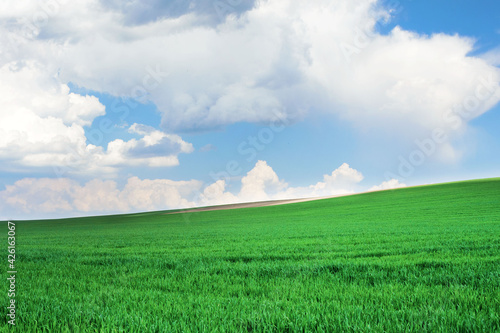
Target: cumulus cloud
(492, 57)
(40, 119)
(96, 196)
(343, 178)
(38, 196)
(260, 183)
(215, 194)
(42, 125)
(43, 197)
(388, 185)
(155, 148)
(158, 194)
(410, 84)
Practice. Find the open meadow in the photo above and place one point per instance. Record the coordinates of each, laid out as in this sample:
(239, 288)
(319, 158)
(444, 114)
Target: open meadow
(422, 259)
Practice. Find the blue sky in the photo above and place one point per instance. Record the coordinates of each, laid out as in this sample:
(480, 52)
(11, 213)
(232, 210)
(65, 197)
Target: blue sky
(121, 106)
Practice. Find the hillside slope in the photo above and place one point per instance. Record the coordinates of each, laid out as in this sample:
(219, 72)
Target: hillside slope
(423, 259)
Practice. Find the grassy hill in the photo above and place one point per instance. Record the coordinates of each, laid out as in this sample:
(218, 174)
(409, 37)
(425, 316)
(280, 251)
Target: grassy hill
(423, 259)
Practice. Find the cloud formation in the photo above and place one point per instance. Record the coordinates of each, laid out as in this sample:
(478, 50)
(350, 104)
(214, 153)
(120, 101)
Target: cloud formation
(154, 149)
(41, 121)
(65, 197)
(43, 125)
(387, 185)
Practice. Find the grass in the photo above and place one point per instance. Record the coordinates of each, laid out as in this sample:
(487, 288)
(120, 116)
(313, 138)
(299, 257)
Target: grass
(423, 259)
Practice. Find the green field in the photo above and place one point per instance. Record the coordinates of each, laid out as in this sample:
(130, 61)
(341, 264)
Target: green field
(423, 259)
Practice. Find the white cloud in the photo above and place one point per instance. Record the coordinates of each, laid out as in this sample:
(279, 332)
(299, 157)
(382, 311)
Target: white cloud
(387, 185)
(343, 178)
(261, 183)
(408, 83)
(154, 149)
(492, 57)
(98, 196)
(215, 194)
(43, 197)
(158, 194)
(40, 119)
(38, 196)
(42, 125)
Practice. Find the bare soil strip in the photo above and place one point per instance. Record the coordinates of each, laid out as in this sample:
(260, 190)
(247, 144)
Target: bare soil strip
(249, 205)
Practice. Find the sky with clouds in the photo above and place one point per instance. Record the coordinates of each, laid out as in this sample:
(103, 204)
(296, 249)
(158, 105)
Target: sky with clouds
(121, 106)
